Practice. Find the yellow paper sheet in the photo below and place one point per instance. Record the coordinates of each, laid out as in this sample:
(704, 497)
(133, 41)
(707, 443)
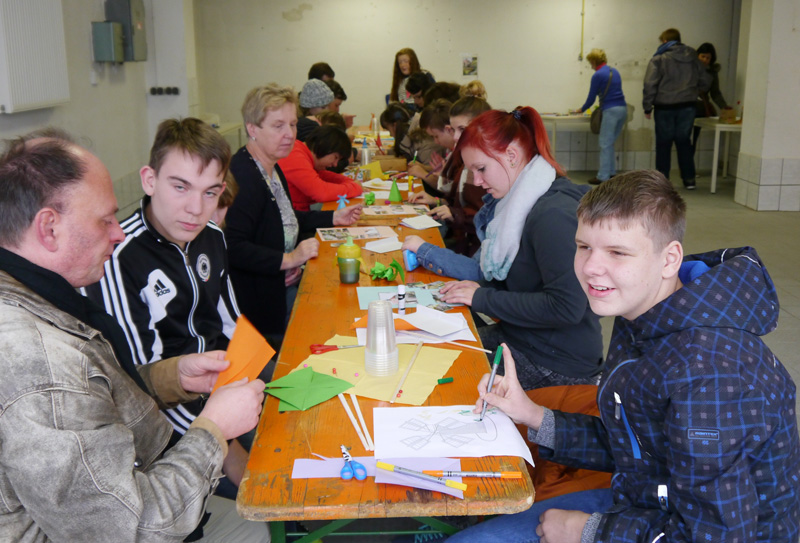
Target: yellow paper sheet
(375, 171)
(432, 364)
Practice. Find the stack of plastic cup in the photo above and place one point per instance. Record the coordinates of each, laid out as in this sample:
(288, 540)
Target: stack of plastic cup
(380, 355)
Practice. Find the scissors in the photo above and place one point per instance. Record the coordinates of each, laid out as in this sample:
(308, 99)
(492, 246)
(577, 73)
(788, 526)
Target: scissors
(318, 348)
(351, 467)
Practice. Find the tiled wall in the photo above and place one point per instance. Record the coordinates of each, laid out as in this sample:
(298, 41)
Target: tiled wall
(128, 190)
(768, 184)
(578, 150)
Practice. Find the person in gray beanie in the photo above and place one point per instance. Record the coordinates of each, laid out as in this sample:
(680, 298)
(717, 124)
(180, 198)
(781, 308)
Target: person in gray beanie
(315, 97)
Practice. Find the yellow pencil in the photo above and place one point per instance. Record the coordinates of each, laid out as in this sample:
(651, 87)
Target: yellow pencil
(420, 475)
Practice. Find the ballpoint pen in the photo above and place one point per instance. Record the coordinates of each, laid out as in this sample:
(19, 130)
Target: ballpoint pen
(495, 364)
(486, 474)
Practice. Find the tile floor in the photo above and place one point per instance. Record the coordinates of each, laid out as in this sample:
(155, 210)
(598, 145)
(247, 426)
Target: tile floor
(714, 221)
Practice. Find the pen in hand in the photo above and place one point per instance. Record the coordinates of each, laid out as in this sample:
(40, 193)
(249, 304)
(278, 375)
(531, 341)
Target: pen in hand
(495, 364)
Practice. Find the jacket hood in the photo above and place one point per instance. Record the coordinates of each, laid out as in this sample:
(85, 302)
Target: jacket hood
(681, 53)
(736, 292)
(565, 186)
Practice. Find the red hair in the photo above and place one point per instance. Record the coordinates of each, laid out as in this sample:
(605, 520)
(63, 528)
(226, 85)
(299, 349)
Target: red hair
(493, 131)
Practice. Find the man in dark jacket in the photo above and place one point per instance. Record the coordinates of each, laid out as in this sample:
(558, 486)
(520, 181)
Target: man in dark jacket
(697, 416)
(672, 82)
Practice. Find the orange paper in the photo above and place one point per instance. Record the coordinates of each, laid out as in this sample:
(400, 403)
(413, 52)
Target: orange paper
(248, 353)
(399, 324)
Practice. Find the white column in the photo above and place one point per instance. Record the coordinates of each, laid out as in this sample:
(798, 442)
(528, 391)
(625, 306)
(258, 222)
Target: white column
(768, 166)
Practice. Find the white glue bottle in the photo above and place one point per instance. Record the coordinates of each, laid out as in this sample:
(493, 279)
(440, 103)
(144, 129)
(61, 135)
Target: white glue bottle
(401, 299)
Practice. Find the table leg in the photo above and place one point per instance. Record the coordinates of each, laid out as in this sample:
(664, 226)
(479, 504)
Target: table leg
(277, 530)
(714, 162)
(437, 524)
(725, 156)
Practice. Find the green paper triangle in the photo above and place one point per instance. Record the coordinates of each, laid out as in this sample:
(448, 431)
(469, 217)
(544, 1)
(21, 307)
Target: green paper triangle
(309, 388)
(394, 193)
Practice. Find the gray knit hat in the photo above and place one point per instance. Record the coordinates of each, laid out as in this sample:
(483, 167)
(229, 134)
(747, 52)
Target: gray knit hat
(315, 93)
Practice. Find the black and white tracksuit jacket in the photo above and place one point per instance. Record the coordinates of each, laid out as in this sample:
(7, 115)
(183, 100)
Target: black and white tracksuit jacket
(169, 301)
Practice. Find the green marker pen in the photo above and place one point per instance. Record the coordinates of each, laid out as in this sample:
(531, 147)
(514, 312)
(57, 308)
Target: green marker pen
(495, 365)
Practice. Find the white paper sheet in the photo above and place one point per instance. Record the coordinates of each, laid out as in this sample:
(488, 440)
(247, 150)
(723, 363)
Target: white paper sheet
(380, 184)
(439, 431)
(395, 209)
(420, 222)
(385, 245)
(339, 233)
(435, 322)
(463, 334)
(380, 195)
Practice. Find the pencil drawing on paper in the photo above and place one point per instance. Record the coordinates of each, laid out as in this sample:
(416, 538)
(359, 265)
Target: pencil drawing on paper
(449, 430)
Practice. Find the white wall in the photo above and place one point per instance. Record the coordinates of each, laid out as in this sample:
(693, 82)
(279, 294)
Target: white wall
(109, 115)
(528, 49)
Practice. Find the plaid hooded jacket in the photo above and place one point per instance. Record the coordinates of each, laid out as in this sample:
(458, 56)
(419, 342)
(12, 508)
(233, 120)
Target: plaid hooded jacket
(698, 420)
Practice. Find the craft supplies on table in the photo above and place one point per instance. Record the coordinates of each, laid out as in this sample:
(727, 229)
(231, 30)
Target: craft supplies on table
(305, 388)
(420, 222)
(440, 431)
(431, 365)
(352, 468)
(356, 232)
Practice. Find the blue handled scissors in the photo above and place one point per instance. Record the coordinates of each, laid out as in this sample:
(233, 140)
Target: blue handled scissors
(351, 467)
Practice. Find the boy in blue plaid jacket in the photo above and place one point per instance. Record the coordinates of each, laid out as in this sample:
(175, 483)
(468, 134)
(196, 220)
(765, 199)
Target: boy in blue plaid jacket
(697, 416)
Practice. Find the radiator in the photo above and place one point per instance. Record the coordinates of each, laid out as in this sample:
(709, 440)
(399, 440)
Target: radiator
(33, 58)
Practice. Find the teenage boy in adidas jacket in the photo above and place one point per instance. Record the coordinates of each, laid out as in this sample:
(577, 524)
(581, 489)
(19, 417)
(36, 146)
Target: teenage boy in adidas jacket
(697, 417)
(167, 283)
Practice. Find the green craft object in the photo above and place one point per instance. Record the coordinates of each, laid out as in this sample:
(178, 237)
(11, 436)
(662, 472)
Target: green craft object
(394, 193)
(305, 388)
(390, 272)
(369, 199)
(396, 265)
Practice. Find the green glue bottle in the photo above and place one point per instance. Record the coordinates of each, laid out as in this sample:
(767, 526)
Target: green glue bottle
(349, 259)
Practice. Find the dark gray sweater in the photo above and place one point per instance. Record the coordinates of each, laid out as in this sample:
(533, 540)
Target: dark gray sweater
(542, 309)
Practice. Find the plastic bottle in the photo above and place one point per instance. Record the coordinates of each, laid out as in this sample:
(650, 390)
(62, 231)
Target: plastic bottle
(401, 299)
(348, 255)
(365, 158)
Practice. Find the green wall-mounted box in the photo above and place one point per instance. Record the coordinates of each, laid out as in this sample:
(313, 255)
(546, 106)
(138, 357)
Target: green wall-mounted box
(107, 42)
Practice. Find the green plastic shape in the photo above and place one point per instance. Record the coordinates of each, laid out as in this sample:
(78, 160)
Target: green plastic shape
(394, 194)
(369, 199)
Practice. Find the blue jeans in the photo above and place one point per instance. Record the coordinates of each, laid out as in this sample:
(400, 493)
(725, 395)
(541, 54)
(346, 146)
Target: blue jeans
(675, 125)
(530, 374)
(613, 120)
(443, 261)
(521, 527)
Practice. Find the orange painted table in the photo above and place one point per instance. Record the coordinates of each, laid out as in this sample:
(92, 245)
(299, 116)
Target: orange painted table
(325, 307)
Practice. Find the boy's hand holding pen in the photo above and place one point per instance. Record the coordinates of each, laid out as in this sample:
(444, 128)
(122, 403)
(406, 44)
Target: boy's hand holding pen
(507, 395)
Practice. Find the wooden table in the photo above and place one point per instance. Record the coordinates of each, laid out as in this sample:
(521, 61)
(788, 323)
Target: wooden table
(325, 307)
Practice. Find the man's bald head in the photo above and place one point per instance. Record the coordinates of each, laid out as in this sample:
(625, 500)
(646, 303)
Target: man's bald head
(36, 171)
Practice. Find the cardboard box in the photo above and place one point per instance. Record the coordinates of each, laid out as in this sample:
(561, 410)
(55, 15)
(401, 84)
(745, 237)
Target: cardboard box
(391, 162)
